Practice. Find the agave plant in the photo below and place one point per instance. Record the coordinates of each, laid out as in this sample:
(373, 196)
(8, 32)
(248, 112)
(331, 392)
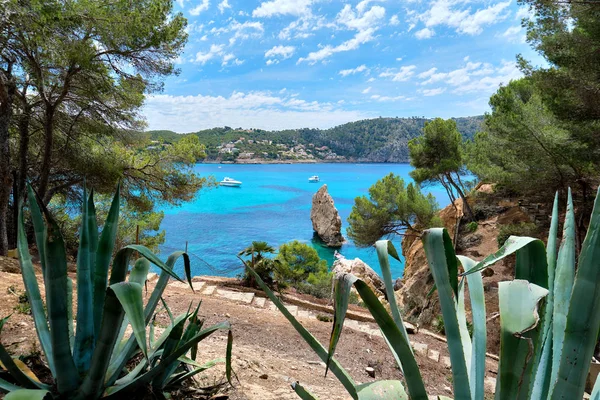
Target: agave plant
(90, 362)
(543, 354)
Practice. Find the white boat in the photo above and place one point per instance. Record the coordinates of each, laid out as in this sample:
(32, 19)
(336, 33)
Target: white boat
(314, 178)
(227, 181)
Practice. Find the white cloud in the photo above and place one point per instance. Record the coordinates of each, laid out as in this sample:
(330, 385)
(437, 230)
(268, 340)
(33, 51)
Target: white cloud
(427, 73)
(456, 77)
(445, 12)
(199, 8)
(367, 90)
(223, 5)
(523, 12)
(280, 51)
(394, 21)
(371, 80)
(327, 51)
(215, 51)
(253, 110)
(245, 30)
(352, 71)
(433, 92)
(388, 98)
(424, 33)
(515, 34)
(360, 20)
(283, 7)
(404, 74)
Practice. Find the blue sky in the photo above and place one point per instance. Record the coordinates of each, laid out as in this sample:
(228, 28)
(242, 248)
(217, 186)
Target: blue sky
(280, 64)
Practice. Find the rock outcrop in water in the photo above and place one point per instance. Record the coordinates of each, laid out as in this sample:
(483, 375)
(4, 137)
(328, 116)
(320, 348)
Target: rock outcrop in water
(325, 218)
(360, 269)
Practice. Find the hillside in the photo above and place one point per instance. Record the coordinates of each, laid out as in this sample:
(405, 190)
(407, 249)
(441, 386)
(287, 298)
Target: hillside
(370, 140)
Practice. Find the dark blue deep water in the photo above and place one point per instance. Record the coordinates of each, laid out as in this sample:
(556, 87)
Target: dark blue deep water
(273, 205)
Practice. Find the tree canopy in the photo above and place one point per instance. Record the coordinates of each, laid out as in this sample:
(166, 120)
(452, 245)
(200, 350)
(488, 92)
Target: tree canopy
(391, 208)
(298, 261)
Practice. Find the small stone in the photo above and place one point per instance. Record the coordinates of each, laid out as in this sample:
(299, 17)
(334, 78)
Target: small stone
(370, 371)
(489, 384)
(434, 355)
(368, 350)
(447, 363)
(264, 376)
(447, 389)
(227, 315)
(420, 348)
(294, 367)
(487, 272)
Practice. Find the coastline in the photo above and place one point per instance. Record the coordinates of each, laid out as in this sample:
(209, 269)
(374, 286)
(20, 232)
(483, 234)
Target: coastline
(261, 161)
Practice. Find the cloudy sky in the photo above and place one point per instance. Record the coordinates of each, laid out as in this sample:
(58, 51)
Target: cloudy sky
(319, 63)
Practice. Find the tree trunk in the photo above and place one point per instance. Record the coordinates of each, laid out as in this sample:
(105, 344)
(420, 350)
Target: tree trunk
(21, 175)
(6, 108)
(47, 156)
(466, 205)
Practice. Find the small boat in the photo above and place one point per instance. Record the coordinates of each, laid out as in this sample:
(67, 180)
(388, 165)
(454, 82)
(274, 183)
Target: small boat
(314, 178)
(227, 181)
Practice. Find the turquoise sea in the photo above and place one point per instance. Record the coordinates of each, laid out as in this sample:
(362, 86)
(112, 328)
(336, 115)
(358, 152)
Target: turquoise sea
(272, 205)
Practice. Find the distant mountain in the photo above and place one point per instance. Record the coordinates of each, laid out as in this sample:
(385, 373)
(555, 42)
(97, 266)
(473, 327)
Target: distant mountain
(369, 140)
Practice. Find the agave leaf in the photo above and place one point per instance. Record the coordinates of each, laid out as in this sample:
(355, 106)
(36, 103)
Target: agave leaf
(176, 382)
(228, 366)
(130, 297)
(145, 379)
(385, 248)
(512, 245)
(33, 293)
(8, 387)
(596, 390)
(532, 264)
(84, 337)
(389, 390)
(70, 313)
(442, 262)
(28, 394)
(19, 371)
(477, 297)
(563, 285)
(39, 227)
(92, 226)
(390, 330)
(302, 392)
(118, 363)
(342, 286)
(167, 309)
(542, 364)
(465, 338)
(518, 302)
(314, 344)
(67, 377)
(170, 346)
(583, 319)
(104, 253)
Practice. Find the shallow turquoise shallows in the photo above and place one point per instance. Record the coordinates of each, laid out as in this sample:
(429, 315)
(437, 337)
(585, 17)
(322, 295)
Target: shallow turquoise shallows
(272, 205)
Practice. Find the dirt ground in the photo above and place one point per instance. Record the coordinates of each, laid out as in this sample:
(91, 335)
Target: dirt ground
(268, 354)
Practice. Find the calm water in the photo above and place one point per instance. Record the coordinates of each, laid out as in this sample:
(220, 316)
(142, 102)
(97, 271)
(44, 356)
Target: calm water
(273, 205)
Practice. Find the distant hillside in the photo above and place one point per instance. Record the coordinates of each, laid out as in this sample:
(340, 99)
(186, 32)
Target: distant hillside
(369, 140)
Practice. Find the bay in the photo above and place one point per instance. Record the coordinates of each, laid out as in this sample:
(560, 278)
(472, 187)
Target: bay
(273, 205)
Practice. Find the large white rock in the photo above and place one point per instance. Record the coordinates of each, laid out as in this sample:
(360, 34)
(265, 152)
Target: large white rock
(325, 219)
(358, 268)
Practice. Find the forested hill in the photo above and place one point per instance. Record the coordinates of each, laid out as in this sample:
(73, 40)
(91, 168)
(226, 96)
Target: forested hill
(369, 140)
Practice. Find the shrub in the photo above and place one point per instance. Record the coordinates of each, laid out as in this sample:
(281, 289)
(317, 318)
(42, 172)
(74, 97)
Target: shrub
(472, 226)
(545, 352)
(90, 363)
(264, 266)
(300, 267)
(520, 229)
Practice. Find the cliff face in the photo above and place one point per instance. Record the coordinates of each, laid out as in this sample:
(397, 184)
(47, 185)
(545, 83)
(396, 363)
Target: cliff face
(325, 219)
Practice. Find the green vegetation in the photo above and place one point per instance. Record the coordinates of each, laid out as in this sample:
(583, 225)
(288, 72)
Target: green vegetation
(374, 140)
(437, 158)
(263, 265)
(472, 226)
(73, 76)
(548, 317)
(390, 209)
(300, 267)
(90, 363)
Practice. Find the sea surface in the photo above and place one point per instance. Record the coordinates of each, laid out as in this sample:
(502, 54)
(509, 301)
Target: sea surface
(273, 205)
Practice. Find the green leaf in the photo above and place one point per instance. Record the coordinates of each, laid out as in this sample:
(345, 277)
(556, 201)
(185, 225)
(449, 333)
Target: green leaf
(442, 262)
(512, 245)
(67, 377)
(106, 245)
(396, 339)
(384, 249)
(583, 319)
(39, 227)
(178, 380)
(343, 284)
(302, 392)
(28, 394)
(228, 367)
(596, 390)
(314, 344)
(130, 297)
(92, 226)
(542, 364)
(170, 346)
(84, 337)
(465, 339)
(33, 293)
(518, 303)
(388, 390)
(563, 285)
(477, 297)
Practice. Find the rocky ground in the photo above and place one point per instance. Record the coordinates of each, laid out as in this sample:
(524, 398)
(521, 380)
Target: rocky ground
(268, 353)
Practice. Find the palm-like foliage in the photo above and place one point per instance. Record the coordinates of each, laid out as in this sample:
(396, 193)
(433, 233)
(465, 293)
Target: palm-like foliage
(542, 357)
(89, 362)
(263, 266)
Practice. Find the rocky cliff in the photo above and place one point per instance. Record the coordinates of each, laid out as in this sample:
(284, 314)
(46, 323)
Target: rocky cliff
(325, 218)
